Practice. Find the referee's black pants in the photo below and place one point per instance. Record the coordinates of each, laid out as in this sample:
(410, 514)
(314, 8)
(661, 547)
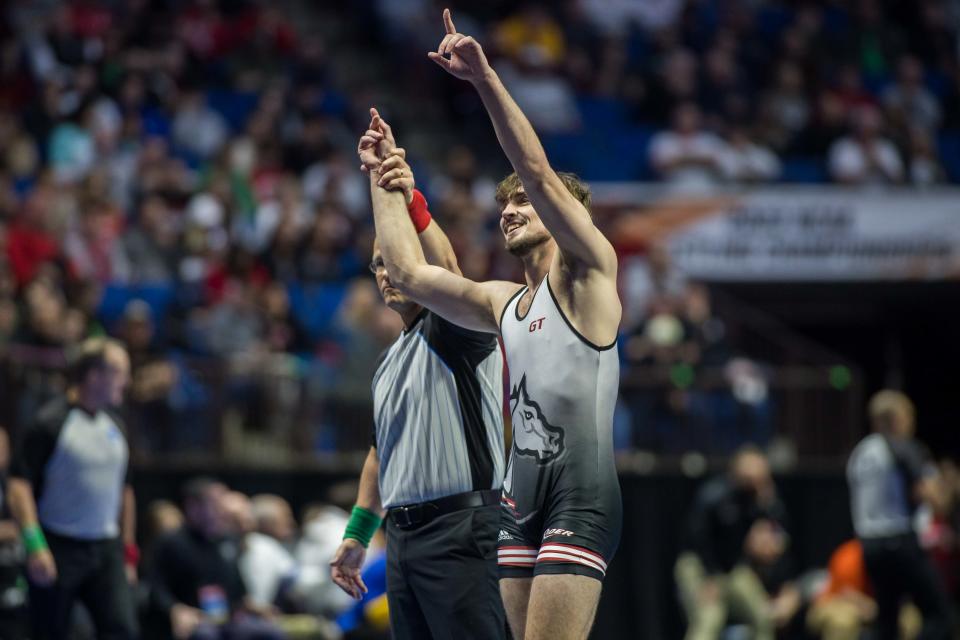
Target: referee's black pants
(442, 578)
(91, 572)
(898, 569)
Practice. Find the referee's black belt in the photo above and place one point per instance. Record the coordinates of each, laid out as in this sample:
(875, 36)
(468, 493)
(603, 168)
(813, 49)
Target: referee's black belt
(411, 516)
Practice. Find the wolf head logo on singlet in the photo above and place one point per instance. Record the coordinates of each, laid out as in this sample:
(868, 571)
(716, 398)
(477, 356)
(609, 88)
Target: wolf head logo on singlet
(532, 435)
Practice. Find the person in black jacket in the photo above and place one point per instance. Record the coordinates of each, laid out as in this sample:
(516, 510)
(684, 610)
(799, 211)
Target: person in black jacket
(196, 587)
(736, 560)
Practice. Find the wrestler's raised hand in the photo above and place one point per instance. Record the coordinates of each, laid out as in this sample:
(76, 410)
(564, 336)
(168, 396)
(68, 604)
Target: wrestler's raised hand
(467, 60)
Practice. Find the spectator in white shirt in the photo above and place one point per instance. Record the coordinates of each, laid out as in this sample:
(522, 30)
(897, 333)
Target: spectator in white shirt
(686, 156)
(545, 96)
(865, 157)
(616, 17)
(322, 533)
(744, 161)
(197, 127)
(267, 564)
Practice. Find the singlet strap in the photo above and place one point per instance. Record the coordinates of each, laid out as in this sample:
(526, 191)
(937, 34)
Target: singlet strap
(512, 300)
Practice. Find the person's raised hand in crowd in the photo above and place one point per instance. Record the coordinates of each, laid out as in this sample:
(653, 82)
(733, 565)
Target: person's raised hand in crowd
(346, 565)
(466, 58)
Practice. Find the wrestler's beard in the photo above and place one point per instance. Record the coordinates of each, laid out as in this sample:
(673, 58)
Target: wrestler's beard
(524, 245)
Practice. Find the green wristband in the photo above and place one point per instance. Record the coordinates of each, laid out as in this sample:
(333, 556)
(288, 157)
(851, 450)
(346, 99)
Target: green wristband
(33, 539)
(362, 525)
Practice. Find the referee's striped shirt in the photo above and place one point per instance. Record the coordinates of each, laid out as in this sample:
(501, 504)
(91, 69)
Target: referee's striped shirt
(438, 398)
(881, 473)
(76, 464)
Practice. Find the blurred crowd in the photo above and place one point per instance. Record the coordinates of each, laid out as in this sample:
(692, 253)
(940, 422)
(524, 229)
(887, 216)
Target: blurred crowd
(688, 386)
(713, 92)
(219, 563)
(180, 173)
(131, 205)
(220, 559)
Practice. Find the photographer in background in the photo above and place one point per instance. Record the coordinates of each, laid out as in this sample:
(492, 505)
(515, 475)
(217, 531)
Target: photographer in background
(196, 587)
(736, 564)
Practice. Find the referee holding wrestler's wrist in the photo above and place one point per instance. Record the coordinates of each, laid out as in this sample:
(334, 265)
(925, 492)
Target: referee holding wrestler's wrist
(69, 490)
(439, 456)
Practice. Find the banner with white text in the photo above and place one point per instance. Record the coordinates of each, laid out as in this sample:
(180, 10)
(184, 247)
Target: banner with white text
(812, 234)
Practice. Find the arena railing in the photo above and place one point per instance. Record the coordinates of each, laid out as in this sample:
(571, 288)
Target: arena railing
(281, 416)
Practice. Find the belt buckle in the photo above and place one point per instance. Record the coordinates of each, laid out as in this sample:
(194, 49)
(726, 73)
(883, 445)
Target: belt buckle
(407, 517)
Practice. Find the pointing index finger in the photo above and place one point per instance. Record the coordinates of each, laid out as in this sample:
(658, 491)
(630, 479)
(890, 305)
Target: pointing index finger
(448, 21)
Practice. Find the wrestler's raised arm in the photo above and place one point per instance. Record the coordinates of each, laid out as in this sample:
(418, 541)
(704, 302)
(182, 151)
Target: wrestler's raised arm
(473, 305)
(581, 243)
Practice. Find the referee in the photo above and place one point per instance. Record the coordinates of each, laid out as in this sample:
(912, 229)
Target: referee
(69, 491)
(438, 453)
(889, 477)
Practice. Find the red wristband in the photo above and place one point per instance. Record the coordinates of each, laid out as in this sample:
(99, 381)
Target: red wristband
(131, 554)
(419, 215)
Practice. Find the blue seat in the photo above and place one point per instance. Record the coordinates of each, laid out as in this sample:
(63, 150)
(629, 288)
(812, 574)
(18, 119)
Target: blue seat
(632, 151)
(598, 154)
(234, 106)
(601, 113)
(948, 146)
(804, 171)
(116, 297)
(566, 151)
(155, 122)
(314, 306)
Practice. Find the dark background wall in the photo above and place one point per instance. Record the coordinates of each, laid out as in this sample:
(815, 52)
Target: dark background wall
(902, 335)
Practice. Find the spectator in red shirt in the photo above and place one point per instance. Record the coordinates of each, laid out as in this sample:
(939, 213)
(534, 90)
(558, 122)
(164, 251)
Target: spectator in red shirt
(29, 240)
